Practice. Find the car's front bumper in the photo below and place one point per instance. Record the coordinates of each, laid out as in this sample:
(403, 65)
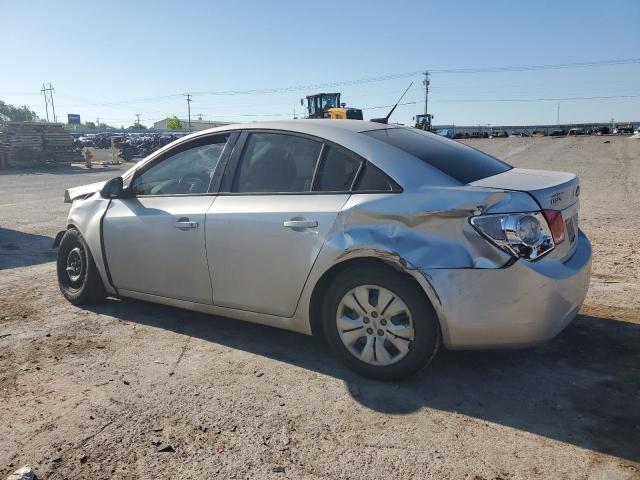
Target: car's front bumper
(520, 305)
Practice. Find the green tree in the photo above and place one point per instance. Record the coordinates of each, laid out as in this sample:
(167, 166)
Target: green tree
(174, 124)
(16, 114)
(90, 125)
(137, 126)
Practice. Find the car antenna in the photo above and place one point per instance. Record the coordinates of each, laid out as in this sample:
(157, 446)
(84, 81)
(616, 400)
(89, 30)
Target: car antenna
(385, 120)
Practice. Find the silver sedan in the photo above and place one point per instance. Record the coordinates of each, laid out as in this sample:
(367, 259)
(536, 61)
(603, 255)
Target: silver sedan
(387, 240)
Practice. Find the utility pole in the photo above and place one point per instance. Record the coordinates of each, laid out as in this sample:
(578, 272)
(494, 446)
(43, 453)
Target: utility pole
(188, 95)
(46, 101)
(558, 115)
(426, 82)
(48, 97)
(138, 120)
(51, 90)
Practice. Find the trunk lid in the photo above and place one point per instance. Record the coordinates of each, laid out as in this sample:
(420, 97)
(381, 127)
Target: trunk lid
(552, 190)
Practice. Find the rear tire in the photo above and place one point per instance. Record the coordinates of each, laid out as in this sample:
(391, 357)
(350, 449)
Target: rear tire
(78, 277)
(399, 332)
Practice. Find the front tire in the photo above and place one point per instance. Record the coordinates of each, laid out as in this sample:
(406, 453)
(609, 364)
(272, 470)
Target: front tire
(78, 277)
(379, 323)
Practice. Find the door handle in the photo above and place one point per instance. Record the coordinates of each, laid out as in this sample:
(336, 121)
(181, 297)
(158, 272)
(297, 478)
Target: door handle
(301, 224)
(185, 224)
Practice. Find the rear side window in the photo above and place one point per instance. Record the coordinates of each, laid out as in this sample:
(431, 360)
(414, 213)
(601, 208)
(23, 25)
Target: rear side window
(372, 179)
(459, 161)
(273, 162)
(337, 171)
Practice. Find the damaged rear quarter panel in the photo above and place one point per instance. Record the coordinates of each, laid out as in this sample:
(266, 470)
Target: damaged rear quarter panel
(427, 228)
(416, 231)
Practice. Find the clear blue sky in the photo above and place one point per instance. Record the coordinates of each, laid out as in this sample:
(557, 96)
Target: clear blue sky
(117, 51)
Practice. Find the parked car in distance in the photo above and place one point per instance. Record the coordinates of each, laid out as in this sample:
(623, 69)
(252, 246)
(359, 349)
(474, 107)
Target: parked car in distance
(499, 134)
(601, 130)
(479, 135)
(387, 240)
(559, 132)
(445, 132)
(623, 129)
(576, 131)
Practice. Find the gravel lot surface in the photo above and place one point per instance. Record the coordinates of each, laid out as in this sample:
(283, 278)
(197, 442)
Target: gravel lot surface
(128, 389)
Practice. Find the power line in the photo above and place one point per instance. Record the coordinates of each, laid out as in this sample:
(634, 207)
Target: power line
(556, 99)
(528, 68)
(415, 102)
(396, 76)
(432, 71)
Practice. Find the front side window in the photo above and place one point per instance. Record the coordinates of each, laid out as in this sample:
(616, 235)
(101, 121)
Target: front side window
(273, 162)
(187, 172)
(337, 171)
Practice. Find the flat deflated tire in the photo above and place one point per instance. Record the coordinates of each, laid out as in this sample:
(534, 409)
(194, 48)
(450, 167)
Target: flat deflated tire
(379, 323)
(78, 277)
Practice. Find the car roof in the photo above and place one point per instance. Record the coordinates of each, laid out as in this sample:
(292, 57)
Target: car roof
(320, 126)
(408, 171)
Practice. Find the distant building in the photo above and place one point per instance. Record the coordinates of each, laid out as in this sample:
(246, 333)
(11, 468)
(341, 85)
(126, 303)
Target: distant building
(196, 125)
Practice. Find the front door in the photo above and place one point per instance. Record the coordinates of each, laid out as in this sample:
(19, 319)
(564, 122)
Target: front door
(155, 237)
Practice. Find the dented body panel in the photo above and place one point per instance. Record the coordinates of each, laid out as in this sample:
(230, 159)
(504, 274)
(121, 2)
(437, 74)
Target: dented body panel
(482, 296)
(83, 191)
(86, 216)
(519, 306)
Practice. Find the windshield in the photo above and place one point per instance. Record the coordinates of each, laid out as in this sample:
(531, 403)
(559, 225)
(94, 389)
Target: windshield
(330, 101)
(463, 163)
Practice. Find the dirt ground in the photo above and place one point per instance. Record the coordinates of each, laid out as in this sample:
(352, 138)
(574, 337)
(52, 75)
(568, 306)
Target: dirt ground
(128, 389)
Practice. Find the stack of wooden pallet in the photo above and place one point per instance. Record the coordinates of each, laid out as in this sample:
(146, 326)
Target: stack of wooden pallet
(30, 144)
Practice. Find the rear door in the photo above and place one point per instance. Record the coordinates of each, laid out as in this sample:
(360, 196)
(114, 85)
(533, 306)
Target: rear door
(280, 197)
(155, 237)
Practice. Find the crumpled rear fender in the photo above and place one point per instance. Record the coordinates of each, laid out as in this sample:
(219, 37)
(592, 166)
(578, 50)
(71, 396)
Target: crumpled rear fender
(427, 229)
(416, 231)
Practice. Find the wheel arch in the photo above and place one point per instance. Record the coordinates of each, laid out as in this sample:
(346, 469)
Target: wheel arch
(382, 259)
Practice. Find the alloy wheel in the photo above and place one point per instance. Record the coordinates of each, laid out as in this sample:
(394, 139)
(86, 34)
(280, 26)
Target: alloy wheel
(375, 325)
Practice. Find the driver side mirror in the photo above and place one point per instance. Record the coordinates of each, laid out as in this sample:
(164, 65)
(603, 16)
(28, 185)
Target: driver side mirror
(113, 188)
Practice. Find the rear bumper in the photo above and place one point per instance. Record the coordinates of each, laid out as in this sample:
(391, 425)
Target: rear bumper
(521, 305)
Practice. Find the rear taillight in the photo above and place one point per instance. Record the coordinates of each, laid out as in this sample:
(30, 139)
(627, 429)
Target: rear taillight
(524, 235)
(556, 224)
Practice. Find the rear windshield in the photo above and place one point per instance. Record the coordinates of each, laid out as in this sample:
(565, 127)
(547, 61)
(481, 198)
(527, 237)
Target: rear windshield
(459, 161)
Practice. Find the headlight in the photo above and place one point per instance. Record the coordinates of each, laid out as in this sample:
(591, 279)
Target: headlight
(524, 235)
